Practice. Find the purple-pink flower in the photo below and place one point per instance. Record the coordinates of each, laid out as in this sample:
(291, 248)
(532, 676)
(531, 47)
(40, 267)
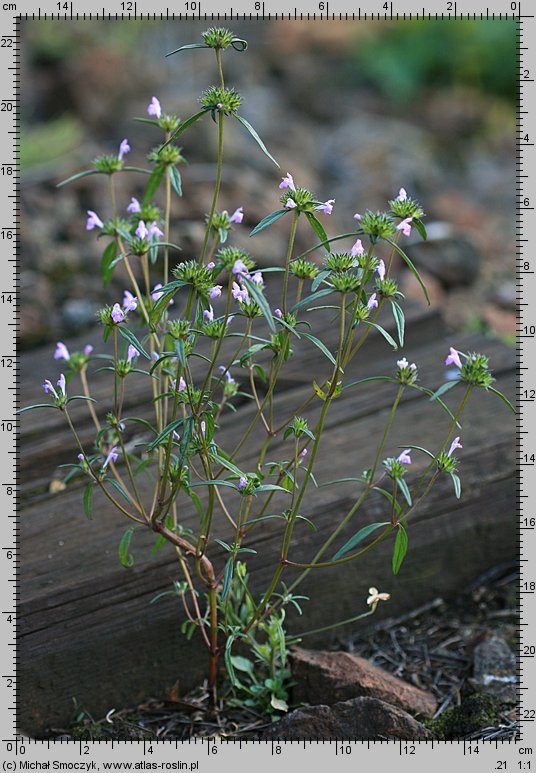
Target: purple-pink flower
(141, 230)
(357, 249)
(402, 195)
(131, 353)
(242, 483)
(239, 293)
(118, 315)
(208, 314)
(237, 216)
(303, 453)
(88, 349)
(403, 363)
(405, 226)
(239, 267)
(372, 302)
(93, 221)
(454, 445)
(287, 182)
(134, 206)
(154, 230)
(215, 292)
(404, 457)
(357, 216)
(61, 384)
(327, 206)
(130, 303)
(257, 278)
(112, 457)
(291, 204)
(124, 148)
(182, 384)
(61, 353)
(49, 389)
(211, 265)
(453, 358)
(203, 427)
(278, 313)
(154, 108)
(380, 270)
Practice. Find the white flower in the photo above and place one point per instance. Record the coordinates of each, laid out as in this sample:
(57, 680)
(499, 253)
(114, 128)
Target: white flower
(375, 597)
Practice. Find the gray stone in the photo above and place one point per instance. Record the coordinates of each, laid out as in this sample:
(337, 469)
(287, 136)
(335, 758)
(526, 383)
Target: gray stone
(454, 260)
(360, 718)
(78, 314)
(494, 669)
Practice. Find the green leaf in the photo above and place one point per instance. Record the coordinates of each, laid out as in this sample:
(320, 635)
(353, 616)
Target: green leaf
(107, 263)
(400, 321)
(444, 388)
(318, 228)
(184, 445)
(400, 549)
(119, 488)
(129, 336)
(371, 378)
(438, 400)
(153, 184)
(390, 340)
(410, 265)
(213, 483)
(358, 537)
(78, 176)
(403, 486)
(314, 340)
(457, 484)
(502, 397)
(227, 577)
(228, 465)
(243, 664)
(126, 558)
(185, 125)
(88, 501)
(186, 48)
(175, 178)
(419, 225)
(389, 496)
(168, 291)
(37, 405)
(270, 487)
(256, 137)
(312, 299)
(242, 44)
(259, 298)
(147, 120)
(268, 220)
(420, 448)
(165, 432)
(319, 278)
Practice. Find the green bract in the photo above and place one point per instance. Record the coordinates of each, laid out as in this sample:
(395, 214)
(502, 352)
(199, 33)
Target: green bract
(217, 98)
(377, 225)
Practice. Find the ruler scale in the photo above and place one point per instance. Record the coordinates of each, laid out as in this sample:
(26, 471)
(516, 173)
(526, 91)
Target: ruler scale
(20, 753)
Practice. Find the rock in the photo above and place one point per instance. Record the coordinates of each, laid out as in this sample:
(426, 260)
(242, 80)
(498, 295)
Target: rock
(453, 260)
(505, 295)
(494, 669)
(328, 677)
(502, 322)
(78, 314)
(361, 719)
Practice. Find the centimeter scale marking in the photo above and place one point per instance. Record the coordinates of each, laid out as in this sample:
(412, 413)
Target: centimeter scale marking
(15, 744)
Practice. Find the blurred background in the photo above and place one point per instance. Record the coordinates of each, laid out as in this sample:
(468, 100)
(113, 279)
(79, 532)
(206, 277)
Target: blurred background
(354, 110)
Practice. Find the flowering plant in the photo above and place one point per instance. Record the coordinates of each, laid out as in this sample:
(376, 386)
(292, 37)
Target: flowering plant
(215, 307)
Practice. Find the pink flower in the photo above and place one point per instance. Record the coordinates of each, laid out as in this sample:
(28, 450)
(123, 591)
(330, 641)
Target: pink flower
(257, 278)
(404, 457)
(239, 293)
(112, 457)
(134, 206)
(215, 292)
(93, 220)
(357, 216)
(237, 216)
(208, 314)
(61, 384)
(290, 204)
(203, 428)
(124, 148)
(242, 483)
(303, 453)
(154, 230)
(154, 108)
(49, 389)
(278, 313)
(141, 230)
(453, 358)
(454, 445)
(402, 195)
(118, 315)
(357, 248)
(380, 270)
(129, 301)
(372, 302)
(211, 265)
(132, 352)
(239, 267)
(403, 363)
(182, 384)
(88, 349)
(327, 206)
(287, 182)
(405, 226)
(61, 353)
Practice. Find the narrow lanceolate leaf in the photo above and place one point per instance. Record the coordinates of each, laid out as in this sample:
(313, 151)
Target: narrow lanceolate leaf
(400, 549)
(419, 225)
(189, 46)
(119, 488)
(357, 538)
(400, 321)
(129, 336)
(88, 501)
(227, 577)
(126, 558)
(78, 176)
(389, 338)
(37, 405)
(411, 267)
(153, 185)
(502, 397)
(319, 345)
(185, 125)
(175, 178)
(168, 291)
(256, 137)
(268, 220)
(171, 427)
(312, 299)
(403, 486)
(259, 298)
(108, 263)
(444, 388)
(319, 278)
(318, 228)
(457, 484)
